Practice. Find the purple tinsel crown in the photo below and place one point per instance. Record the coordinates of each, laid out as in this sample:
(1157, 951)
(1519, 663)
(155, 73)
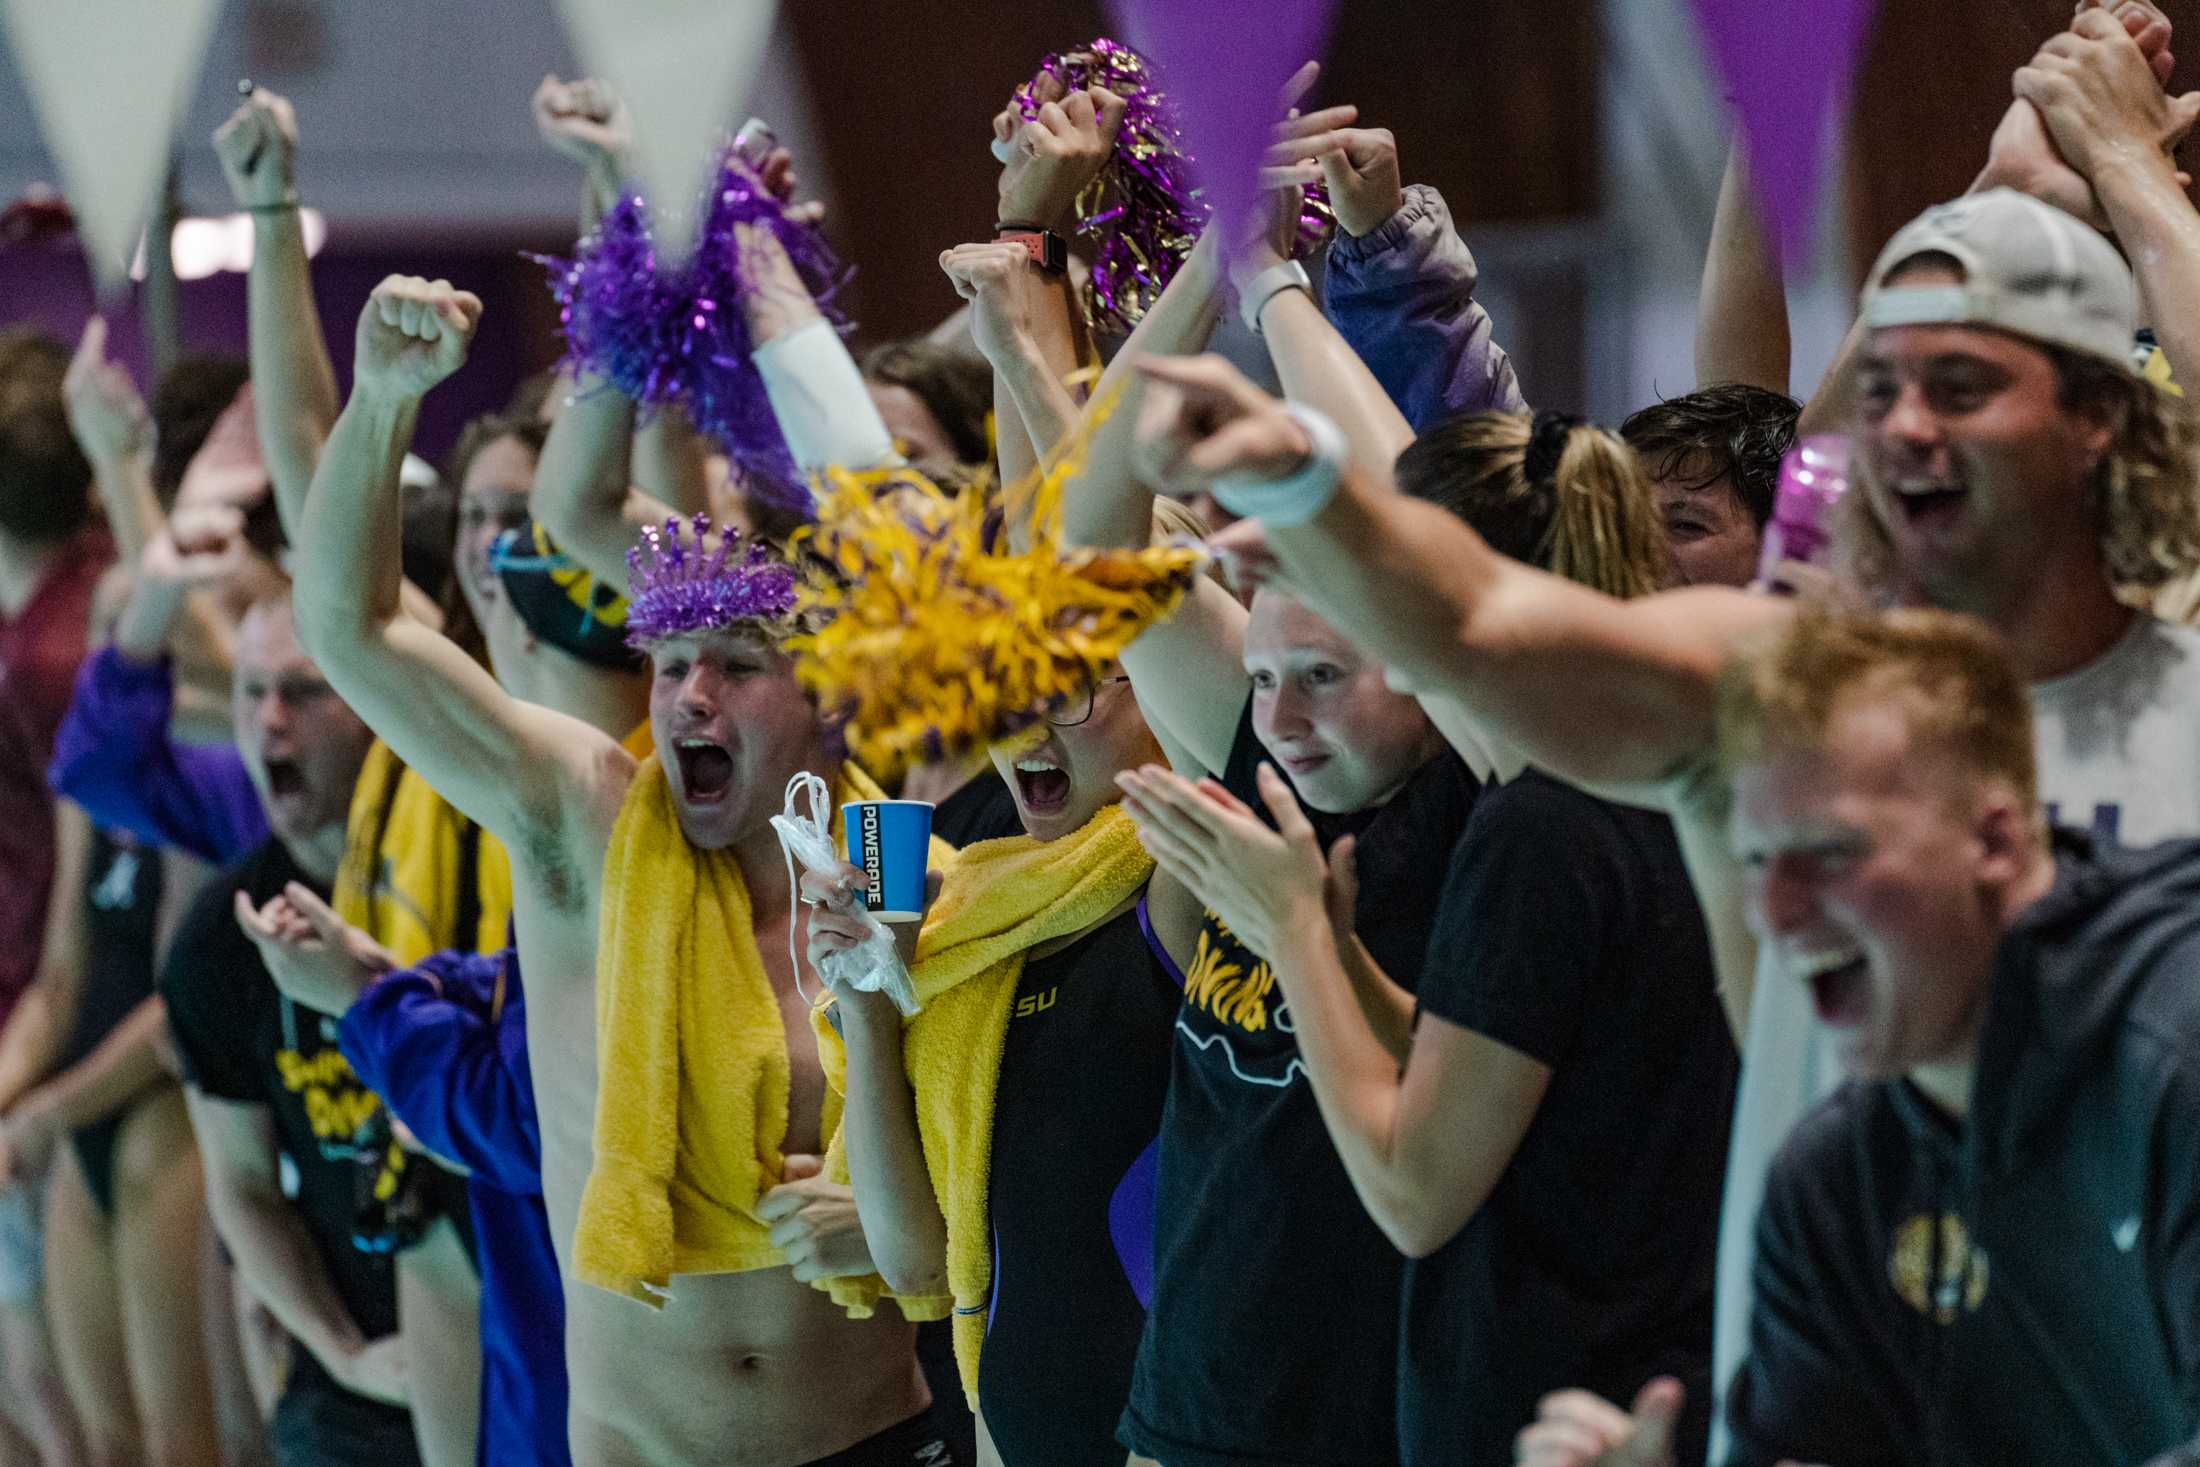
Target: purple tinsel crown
(686, 585)
(662, 335)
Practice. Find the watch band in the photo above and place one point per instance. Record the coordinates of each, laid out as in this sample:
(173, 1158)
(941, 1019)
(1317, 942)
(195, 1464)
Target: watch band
(1266, 286)
(1299, 497)
(1046, 248)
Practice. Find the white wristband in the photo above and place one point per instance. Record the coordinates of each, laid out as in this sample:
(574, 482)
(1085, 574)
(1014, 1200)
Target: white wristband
(1266, 286)
(1301, 496)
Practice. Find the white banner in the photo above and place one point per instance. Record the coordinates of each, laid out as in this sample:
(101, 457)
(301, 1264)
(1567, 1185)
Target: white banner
(682, 67)
(110, 80)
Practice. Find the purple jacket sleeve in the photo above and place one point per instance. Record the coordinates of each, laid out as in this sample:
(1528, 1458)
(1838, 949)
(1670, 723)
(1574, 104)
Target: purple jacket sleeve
(423, 1039)
(113, 756)
(1403, 296)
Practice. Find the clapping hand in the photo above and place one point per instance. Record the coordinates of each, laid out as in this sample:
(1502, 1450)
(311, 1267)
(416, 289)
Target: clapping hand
(1269, 886)
(315, 957)
(2022, 156)
(201, 545)
(2102, 99)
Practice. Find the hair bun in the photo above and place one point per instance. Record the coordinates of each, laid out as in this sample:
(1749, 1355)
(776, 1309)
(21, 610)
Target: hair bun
(1547, 444)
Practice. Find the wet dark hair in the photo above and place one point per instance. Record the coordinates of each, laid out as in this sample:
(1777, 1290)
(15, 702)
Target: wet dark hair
(187, 400)
(45, 480)
(956, 385)
(1732, 430)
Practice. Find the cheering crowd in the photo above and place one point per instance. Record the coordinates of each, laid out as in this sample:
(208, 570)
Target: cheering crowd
(1527, 958)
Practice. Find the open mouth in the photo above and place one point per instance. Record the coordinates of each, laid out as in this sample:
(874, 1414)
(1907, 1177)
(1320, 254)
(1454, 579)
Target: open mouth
(285, 780)
(706, 771)
(1041, 788)
(1930, 504)
(1840, 990)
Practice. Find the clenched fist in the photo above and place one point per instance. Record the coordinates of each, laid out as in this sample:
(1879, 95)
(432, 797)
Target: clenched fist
(412, 335)
(258, 147)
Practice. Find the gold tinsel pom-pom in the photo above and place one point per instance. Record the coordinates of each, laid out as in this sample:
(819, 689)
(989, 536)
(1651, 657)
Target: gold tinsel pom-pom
(933, 636)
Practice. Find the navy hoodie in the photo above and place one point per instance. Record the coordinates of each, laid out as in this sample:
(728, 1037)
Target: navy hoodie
(2023, 1287)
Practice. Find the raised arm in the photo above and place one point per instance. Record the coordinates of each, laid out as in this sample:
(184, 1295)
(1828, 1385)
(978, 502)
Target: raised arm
(293, 380)
(110, 423)
(582, 493)
(483, 750)
(1316, 365)
(115, 753)
(1050, 159)
(1608, 693)
(1741, 313)
(2108, 115)
(1401, 283)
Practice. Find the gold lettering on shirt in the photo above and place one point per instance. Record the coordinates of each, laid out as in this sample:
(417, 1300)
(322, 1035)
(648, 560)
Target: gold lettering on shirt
(1225, 988)
(1937, 1271)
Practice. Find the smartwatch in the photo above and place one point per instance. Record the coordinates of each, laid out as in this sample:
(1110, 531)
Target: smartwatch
(1266, 286)
(1046, 248)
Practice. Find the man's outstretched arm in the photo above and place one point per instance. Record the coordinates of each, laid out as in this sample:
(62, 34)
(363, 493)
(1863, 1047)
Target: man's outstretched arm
(1600, 691)
(435, 706)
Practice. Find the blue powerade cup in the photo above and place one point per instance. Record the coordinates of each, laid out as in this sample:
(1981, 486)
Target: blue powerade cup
(891, 840)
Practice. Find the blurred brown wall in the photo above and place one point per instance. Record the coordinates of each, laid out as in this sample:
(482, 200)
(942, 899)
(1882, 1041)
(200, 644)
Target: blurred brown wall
(1935, 81)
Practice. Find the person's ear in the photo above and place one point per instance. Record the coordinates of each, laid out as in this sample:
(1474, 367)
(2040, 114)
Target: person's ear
(2007, 831)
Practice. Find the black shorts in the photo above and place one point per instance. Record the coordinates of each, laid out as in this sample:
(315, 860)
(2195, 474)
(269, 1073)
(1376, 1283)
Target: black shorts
(320, 1424)
(921, 1441)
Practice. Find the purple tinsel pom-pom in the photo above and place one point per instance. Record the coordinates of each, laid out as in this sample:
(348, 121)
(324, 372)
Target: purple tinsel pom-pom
(1143, 213)
(661, 335)
(686, 585)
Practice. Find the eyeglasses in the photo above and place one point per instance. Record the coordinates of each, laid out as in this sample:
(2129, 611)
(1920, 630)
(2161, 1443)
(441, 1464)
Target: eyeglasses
(1076, 708)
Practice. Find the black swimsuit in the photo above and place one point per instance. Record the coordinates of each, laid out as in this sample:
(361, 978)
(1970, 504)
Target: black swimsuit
(1075, 1120)
(121, 924)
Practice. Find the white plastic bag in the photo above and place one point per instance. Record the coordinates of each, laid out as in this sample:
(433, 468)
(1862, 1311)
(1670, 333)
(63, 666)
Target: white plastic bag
(873, 965)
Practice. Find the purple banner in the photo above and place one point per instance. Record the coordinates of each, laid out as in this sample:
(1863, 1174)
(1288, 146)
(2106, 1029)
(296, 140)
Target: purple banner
(1225, 63)
(1786, 69)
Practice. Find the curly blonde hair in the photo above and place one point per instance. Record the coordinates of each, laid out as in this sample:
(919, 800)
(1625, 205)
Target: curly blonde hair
(2145, 493)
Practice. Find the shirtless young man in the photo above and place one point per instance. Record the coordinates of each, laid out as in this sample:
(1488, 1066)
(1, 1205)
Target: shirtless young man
(755, 1368)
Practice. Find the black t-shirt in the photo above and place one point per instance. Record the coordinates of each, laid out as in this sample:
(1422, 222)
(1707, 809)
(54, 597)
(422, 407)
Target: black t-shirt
(1075, 1121)
(983, 809)
(122, 888)
(243, 1041)
(1569, 932)
(1273, 1333)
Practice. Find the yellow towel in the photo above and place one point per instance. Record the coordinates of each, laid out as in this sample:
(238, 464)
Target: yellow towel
(405, 861)
(1001, 899)
(692, 1067)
